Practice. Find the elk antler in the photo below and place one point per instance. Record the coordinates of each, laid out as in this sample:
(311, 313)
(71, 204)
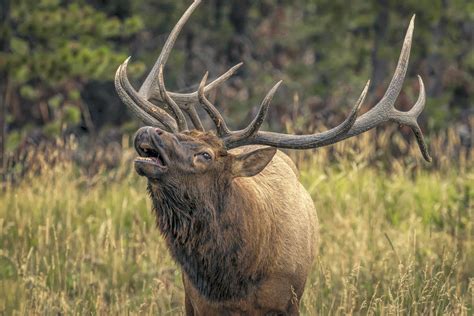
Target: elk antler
(153, 89)
(139, 102)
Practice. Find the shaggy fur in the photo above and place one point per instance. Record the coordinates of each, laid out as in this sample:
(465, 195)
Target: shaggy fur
(245, 244)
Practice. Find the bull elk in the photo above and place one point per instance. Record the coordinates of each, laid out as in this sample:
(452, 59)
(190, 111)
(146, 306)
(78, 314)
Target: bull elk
(232, 212)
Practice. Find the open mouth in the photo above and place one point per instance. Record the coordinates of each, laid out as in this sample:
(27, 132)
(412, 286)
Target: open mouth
(151, 155)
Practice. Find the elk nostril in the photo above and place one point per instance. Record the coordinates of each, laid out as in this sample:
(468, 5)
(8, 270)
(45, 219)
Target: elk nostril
(159, 131)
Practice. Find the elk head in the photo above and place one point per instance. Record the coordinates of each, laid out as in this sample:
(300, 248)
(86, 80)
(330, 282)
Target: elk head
(170, 148)
(193, 156)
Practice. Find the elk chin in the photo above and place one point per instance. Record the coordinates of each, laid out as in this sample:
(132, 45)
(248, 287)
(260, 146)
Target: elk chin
(150, 167)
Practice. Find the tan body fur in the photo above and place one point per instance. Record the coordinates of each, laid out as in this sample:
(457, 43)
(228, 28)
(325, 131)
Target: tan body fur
(282, 227)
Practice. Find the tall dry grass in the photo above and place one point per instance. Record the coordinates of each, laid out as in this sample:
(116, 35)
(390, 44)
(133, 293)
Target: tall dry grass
(397, 236)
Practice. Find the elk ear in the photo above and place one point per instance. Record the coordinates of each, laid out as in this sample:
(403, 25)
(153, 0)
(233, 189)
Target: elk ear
(252, 163)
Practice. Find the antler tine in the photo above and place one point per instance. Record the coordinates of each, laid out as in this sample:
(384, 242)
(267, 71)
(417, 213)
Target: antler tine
(150, 90)
(151, 79)
(145, 110)
(186, 99)
(255, 125)
(385, 111)
(221, 126)
(224, 77)
(179, 116)
(398, 78)
(191, 111)
(216, 117)
(304, 141)
(139, 112)
(410, 119)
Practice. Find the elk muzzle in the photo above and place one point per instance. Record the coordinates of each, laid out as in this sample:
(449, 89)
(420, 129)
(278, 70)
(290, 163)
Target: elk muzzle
(152, 161)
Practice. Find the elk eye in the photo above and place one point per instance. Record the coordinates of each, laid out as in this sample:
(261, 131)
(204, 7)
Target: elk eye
(206, 156)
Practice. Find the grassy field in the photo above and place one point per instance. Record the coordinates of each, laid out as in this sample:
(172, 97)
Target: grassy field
(397, 237)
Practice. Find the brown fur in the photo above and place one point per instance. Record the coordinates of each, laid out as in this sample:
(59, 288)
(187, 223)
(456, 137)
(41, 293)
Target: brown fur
(245, 243)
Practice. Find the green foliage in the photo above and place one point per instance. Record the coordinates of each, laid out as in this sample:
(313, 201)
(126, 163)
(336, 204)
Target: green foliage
(55, 43)
(56, 47)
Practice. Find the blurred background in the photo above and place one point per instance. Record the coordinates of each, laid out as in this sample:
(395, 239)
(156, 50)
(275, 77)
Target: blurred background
(77, 236)
(58, 61)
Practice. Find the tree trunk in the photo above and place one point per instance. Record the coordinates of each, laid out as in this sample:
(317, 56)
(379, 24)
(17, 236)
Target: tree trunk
(238, 17)
(4, 47)
(218, 13)
(435, 61)
(379, 64)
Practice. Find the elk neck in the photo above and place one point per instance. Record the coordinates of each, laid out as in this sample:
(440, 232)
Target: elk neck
(208, 234)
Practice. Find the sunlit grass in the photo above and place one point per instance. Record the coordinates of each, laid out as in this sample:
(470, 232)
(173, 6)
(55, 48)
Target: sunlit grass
(397, 237)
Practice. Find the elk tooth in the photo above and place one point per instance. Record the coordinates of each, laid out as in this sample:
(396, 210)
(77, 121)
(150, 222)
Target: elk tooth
(145, 159)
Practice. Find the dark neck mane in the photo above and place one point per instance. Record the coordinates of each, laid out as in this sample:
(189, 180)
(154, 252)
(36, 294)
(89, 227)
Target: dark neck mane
(203, 237)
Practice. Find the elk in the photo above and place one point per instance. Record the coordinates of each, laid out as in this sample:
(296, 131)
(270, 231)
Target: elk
(229, 204)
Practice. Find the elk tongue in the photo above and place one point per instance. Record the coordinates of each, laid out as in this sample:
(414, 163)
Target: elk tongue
(159, 160)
